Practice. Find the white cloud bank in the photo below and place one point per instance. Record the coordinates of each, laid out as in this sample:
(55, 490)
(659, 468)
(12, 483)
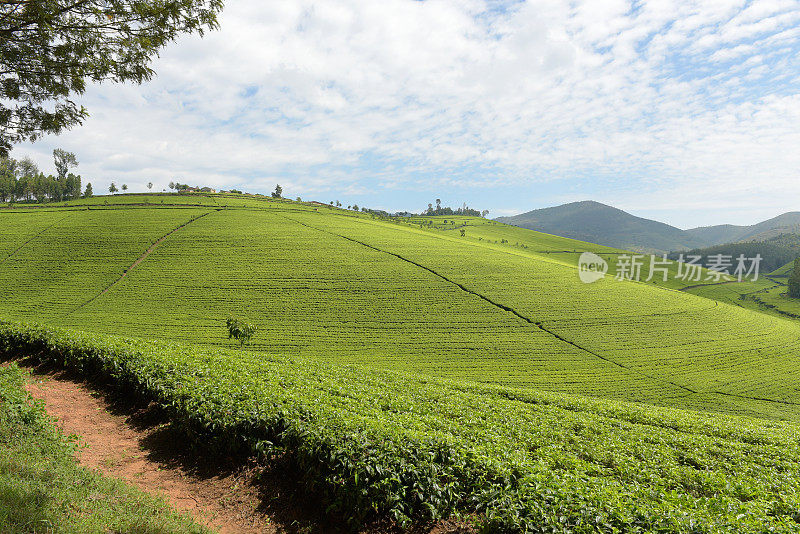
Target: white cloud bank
(688, 105)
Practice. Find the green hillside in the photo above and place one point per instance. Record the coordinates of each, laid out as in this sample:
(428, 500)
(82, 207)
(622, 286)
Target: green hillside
(403, 370)
(344, 287)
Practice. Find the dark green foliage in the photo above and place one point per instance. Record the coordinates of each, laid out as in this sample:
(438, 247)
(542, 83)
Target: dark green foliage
(439, 210)
(49, 49)
(773, 255)
(112, 188)
(21, 180)
(794, 280)
(239, 330)
(278, 191)
(88, 193)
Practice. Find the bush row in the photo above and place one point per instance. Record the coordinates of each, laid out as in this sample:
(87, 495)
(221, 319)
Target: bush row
(372, 445)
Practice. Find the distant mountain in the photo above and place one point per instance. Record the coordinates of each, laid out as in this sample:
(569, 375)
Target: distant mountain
(605, 225)
(787, 223)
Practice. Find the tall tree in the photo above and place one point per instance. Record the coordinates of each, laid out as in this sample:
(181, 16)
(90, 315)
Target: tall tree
(8, 179)
(49, 49)
(72, 187)
(88, 192)
(112, 188)
(63, 161)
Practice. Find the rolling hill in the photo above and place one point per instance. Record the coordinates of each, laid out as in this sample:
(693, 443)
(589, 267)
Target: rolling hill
(344, 287)
(404, 370)
(786, 223)
(598, 223)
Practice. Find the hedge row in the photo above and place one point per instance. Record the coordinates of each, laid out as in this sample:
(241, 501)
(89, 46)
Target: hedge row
(372, 445)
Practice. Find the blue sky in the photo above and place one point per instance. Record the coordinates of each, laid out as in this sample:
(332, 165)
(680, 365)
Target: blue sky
(688, 113)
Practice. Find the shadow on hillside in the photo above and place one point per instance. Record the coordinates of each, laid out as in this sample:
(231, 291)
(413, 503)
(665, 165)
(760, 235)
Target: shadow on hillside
(280, 502)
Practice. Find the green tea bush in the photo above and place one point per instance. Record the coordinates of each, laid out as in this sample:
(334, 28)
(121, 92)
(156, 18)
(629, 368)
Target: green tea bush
(371, 444)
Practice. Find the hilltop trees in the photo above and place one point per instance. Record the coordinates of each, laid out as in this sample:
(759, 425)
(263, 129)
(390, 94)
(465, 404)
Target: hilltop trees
(22, 179)
(112, 188)
(464, 210)
(7, 183)
(88, 192)
(50, 49)
(63, 161)
(278, 191)
(124, 187)
(69, 185)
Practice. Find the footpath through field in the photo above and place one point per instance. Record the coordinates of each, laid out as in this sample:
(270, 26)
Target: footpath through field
(136, 445)
(141, 452)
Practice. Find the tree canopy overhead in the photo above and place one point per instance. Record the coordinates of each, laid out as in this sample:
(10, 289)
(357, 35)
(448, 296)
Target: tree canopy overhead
(49, 49)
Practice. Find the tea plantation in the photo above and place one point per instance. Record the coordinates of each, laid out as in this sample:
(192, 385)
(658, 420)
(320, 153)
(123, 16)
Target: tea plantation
(414, 372)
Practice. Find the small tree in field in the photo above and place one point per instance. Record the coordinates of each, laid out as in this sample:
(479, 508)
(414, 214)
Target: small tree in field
(124, 187)
(112, 188)
(88, 192)
(241, 331)
(278, 191)
(794, 280)
(150, 186)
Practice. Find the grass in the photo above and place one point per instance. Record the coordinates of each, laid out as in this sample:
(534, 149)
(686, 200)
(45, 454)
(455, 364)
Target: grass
(335, 286)
(369, 443)
(775, 299)
(767, 295)
(43, 489)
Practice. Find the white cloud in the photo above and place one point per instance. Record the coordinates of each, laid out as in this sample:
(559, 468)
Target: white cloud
(335, 94)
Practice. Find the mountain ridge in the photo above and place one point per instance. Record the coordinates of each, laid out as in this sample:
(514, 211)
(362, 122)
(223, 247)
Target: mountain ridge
(595, 222)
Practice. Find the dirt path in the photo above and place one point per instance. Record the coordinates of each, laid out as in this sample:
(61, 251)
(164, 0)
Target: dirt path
(142, 452)
(134, 443)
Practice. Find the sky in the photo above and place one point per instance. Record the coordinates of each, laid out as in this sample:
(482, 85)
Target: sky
(685, 112)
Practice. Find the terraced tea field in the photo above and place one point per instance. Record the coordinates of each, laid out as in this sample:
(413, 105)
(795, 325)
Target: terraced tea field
(766, 295)
(343, 287)
(369, 443)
